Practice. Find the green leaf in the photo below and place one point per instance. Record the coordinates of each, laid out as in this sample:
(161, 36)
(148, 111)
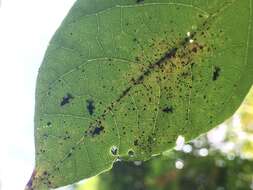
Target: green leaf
(124, 78)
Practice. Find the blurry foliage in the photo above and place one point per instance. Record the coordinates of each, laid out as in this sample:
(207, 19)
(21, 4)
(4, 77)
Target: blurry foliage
(198, 173)
(214, 161)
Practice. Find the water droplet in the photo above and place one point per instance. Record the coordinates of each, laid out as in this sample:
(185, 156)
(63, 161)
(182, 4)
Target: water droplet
(203, 152)
(198, 143)
(179, 164)
(187, 148)
(179, 143)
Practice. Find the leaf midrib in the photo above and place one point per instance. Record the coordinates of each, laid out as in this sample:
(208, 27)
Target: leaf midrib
(166, 57)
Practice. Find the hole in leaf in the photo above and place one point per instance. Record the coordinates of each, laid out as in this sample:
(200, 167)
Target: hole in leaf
(114, 150)
(131, 153)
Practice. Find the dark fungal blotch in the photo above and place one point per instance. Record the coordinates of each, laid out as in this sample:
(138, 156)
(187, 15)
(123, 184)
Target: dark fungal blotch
(194, 49)
(182, 50)
(97, 130)
(158, 64)
(168, 109)
(90, 106)
(216, 73)
(163, 60)
(137, 59)
(66, 99)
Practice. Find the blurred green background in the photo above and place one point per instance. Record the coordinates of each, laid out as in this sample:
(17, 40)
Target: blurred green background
(222, 159)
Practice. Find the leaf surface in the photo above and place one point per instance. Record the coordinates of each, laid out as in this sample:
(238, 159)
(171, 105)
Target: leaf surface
(124, 78)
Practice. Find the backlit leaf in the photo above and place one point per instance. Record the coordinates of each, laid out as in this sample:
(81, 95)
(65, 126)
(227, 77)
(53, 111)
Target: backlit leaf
(124, 78)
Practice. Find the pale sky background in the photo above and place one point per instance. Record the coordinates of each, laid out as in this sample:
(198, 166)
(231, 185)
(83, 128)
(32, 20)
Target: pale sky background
(25, 30)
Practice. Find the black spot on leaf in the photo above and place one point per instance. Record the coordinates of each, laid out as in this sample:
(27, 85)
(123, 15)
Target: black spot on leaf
(45, 173)
(158, 64)
(171, 53)
(137, 59)
(96, 131)
(66, 99)
(168, 109)
(136, 142)
(216, 73)
(194, 49)
(90, 106)
(69, 154)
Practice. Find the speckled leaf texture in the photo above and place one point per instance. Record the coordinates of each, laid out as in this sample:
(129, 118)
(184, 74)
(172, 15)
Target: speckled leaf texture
(123, 78)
